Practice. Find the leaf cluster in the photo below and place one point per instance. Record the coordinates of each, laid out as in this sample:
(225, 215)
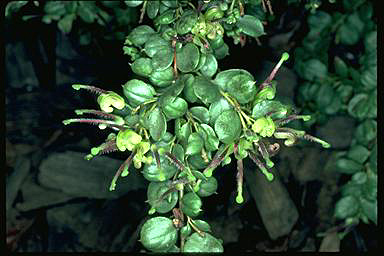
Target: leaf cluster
(340, 86)
(181, 117)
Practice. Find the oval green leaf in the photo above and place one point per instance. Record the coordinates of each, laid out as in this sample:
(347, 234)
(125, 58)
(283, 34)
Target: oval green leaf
(157, 124)
(158, 234)
(206, 244)
(228, 126)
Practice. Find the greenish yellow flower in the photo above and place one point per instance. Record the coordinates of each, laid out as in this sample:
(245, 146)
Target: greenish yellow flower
(264, 126)
(127, 139)
(106, 100)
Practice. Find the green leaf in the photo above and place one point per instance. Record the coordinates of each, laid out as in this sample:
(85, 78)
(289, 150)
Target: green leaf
(162, 59)
(216, 108)
(162, 78)
(154, 43)
(373, 159)
(191, 205)
(173, 107)
(241, 88)
(324, 96)
(158, 200)
(166, 17)
(358, 106)
(251, 26)
(202, 59)
(205, 90)
(182, 130)
(350, 5)
(346, 207)
(157, 124)
(369, 78)
(187, 58)
(153, 9)
(224, 78)
(195, 144)
(185, 231)
(138, 92)
(200, 113)
(140, 35)
(133, 3)
(188, 92)
(370, 187)
(56, 8)
(142, 67)
(358, 153)
(348, 166)
(202, 225)
(186, 22)
(359, 178)
(13, 7)
(350, 31)
(87, 11)
(228, 126)
(216, 43)
(65, 24)
(345, 93)
(176, 88)
(207, 187)
(340, 67)
(166, 171)
(170, 3)
(313, 70)
(178, 152)
(212, 142)
(351, 189)
(318, 21)
(221, 52)
(158, 234)
(210, 66)
(273, 107)
(370, 41)
(334, 106)
(366, 131)
(369, 209)
(197, 162)
(206, 244)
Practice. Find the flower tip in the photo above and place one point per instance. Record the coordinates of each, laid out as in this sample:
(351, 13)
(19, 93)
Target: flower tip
(270, 164)
(88, 157)
(285, 56)
(112, 187)
(79, 111)
(125, 173)
(67, 122)
(269, 176)
(326, 145)
(239, 199)
(76, 86)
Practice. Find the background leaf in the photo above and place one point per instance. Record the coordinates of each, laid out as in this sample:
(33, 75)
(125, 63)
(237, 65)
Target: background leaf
(251, 26)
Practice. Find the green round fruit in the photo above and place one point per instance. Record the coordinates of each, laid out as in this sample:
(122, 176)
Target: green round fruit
(158, 234)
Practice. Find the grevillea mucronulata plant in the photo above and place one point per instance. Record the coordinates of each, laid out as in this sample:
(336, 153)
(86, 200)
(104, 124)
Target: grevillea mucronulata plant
(184, 118)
